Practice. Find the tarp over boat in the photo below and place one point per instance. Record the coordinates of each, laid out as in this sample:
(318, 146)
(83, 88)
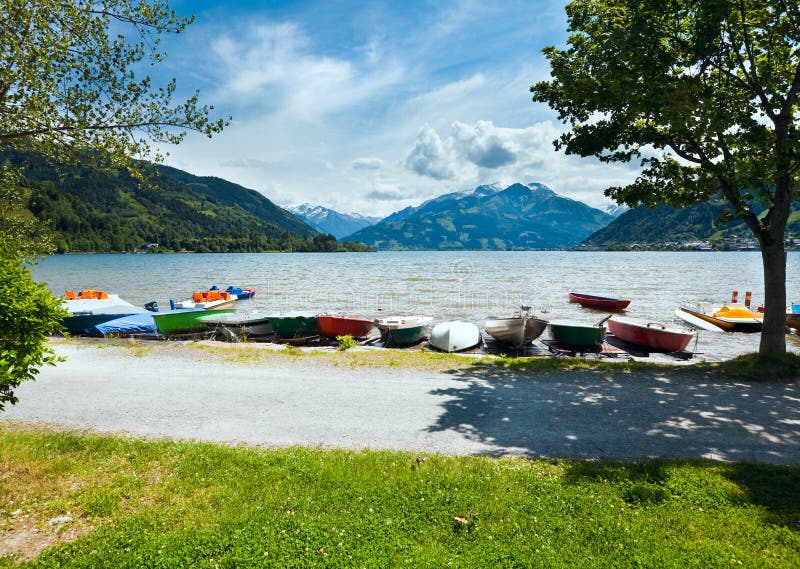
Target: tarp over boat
(132, 324)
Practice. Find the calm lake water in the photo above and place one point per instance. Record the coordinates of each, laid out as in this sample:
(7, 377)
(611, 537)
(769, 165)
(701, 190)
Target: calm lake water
(443, 284)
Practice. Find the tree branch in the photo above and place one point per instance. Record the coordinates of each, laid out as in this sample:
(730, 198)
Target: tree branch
(752, 78)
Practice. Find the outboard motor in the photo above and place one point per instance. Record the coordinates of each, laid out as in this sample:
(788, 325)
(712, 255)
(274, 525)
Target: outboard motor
(152, 306)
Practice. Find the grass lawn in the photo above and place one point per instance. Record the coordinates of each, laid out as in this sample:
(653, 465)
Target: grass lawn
(131, 503)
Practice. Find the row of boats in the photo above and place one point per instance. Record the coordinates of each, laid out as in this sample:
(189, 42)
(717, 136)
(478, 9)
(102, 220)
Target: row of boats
(99, 313)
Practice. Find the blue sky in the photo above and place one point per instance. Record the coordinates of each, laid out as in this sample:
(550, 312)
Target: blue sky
(372, 106)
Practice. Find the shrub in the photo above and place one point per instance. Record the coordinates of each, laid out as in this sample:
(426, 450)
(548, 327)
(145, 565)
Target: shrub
(28, 314)
(345, 342)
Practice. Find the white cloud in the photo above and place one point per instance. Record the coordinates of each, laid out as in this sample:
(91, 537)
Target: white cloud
(273, 66)
(478, 153)
(430, 156)
(367, 164)
(333, 117)
(482, 145)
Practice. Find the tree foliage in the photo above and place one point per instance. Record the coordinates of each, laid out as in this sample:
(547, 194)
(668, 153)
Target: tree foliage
(28, 313)
(71, 88)
(69, 81)
(704, 94)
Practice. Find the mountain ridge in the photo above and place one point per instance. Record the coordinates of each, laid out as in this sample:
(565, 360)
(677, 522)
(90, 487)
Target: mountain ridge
(328, 220)
(488, 217)
(94, 210)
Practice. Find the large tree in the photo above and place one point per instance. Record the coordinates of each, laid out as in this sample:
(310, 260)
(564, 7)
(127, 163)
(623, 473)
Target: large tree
(73, 86)
(704, 93)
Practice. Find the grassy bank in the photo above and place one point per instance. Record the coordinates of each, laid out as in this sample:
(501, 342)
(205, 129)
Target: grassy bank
(749, 367)
(128, 503)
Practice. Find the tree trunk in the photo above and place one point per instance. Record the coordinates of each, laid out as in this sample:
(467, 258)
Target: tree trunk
(773, 334)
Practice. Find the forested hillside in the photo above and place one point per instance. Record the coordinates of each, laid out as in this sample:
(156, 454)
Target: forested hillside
(669, 227)
(110, 211)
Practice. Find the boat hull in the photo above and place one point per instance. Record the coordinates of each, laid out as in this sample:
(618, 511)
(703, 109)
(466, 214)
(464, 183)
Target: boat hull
(294, 326)
(599, 302)
(455, 336)
(749, 325)
(400, 331)
(82, 323)
(250, 325)
(185, 321)
(330, 326)
(652, 335)
(207, 305)
(517, 332)
(576, 334)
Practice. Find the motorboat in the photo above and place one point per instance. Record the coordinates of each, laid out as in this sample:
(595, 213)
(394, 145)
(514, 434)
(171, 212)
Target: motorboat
(518, 331)
(599, 302)
(455, 336)
(652, 335)
(402, 330)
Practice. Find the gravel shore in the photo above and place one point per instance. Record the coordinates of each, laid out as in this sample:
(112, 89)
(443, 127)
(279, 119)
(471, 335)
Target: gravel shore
(185, 394)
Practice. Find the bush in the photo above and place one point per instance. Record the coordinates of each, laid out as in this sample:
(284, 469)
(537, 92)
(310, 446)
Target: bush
(28, 314)
(346, 342)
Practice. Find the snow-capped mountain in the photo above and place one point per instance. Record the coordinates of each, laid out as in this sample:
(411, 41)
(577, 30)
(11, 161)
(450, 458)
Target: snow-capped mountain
(331, 221)
(615, 210)
(520, 216)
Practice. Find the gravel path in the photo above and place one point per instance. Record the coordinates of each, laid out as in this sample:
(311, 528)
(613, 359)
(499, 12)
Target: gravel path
(559, 414)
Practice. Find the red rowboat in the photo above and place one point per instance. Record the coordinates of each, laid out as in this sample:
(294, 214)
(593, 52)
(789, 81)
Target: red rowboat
(653, 335)
(600, 302)
(331, 326)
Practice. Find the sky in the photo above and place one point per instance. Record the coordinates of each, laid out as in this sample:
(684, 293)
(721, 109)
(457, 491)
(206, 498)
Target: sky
(369, 107)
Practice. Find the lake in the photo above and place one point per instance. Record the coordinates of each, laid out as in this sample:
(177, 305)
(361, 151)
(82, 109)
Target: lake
(470, 285)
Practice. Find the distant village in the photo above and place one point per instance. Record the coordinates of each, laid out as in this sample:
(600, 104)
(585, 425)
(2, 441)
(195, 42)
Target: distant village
(732, 243)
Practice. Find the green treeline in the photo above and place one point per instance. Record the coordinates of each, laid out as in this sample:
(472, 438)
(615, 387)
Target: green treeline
(94, 210)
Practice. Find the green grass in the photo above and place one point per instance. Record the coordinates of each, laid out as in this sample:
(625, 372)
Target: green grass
(170, 504)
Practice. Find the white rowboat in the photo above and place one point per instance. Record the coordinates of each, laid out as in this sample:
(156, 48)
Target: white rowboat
(455, 336)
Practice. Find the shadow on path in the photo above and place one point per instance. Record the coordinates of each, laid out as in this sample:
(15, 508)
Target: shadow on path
(622, 415)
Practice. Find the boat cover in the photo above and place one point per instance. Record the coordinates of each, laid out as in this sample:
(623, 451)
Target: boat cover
(133, 324)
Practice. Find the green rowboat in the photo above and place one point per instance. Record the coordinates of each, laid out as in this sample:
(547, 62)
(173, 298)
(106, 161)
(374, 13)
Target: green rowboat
(186, 321)
(294, 324)
(576, 334)
(403, 330)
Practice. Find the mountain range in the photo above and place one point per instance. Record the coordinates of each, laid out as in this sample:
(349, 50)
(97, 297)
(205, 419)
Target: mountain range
(519, 216)
(330, 221)
(98, 210)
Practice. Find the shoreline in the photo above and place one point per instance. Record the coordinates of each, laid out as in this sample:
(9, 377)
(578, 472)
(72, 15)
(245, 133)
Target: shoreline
(459, 406)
